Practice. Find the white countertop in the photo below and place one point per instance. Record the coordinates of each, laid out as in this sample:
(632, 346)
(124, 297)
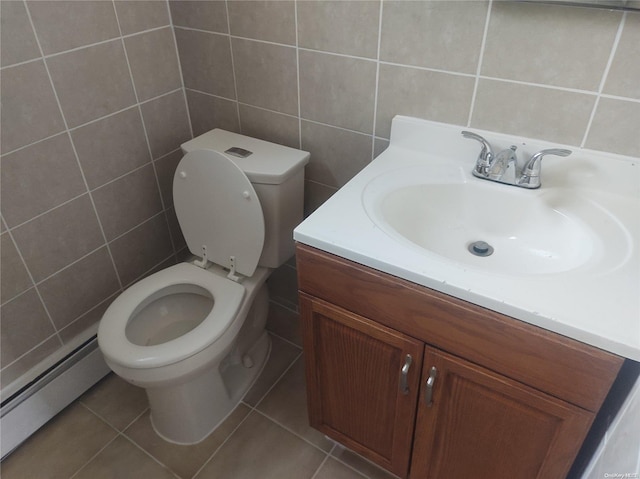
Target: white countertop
(598, 306)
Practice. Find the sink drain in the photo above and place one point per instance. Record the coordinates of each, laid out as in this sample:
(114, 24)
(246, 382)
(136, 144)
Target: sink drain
(480, 248)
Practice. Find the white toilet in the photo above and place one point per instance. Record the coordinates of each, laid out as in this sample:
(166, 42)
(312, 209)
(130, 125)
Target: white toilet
(193, 335)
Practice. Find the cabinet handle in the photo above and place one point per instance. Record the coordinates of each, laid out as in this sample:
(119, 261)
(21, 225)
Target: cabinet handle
(428, 387)
(404, 372)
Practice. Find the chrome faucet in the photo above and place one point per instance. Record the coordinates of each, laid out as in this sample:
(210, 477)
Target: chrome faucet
(503, 167)
(530, 176)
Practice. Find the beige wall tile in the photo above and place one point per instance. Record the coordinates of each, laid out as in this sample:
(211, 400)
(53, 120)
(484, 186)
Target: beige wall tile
(315, 194)
(63, 25)
(421, 93)
(337, 90)
(268, 20)
(64, 445)
(266, 75)
(433, 34)
(24, 325)
(210, 16)
(208, 112)
(79, 326)
(624, 75)
(534, 112)
(16, 369)
(79, 288)
(549, 44)
(17, 39)
(128, 201)
(615, 127)
(177, 238)
(166, 122)
(137, 15)
(283, 286)
(285, 323)
(15, 278)
(206, 62)
(29, 109)
(111, 147)
(154, 63)
(336, 155)
(270, 126)
(59, 237)
(350, 28)
(141, 249)
(30, 170)
(92, 82)
(165, 170)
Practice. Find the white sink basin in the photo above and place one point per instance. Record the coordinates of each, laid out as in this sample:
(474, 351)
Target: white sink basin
(547, 231)
(566, 256)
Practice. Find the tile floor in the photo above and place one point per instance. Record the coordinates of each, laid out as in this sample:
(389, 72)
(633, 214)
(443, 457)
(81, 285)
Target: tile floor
(106, 433)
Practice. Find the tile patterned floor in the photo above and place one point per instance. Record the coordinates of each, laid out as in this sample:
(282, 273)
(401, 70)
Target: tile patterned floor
(107, 434)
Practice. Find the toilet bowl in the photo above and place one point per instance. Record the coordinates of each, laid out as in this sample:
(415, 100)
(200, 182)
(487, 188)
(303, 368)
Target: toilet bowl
(193, 335)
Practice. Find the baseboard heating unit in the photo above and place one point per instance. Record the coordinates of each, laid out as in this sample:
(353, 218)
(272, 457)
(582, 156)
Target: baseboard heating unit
(28, 409)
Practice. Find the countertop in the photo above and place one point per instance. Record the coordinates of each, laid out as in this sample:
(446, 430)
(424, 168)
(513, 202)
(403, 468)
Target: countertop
(598, 306)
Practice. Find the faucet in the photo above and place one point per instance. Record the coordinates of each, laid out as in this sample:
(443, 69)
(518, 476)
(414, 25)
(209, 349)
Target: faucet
(503, 167)
(530, 176)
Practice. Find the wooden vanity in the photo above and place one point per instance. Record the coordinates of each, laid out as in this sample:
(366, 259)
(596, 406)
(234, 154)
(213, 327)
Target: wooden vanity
(430, 386)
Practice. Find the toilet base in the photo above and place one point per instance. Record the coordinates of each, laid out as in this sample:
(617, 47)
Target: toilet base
(187, 413)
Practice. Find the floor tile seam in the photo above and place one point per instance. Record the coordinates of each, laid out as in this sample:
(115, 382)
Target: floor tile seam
(226, 439)
(362, 458)
(291, 431)
(315, 474)
(99, 451)
(288, 341)
(279, 378)
(109, 423)
(149, 454)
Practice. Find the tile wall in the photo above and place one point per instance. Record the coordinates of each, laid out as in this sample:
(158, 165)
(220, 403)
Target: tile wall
(328, 76)
(93, 113)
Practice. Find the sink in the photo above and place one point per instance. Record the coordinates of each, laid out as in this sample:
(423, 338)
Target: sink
(566, 256)
(443, 211)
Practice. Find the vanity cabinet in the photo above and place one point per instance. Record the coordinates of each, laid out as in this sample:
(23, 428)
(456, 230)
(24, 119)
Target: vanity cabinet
(483, 395)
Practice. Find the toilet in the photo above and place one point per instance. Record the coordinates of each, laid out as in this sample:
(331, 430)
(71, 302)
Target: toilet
(193, 335)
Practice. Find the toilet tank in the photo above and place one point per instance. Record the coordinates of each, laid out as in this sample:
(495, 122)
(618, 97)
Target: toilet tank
(277, 174)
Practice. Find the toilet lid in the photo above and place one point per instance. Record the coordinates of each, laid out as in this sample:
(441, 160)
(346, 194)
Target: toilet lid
(218, 210)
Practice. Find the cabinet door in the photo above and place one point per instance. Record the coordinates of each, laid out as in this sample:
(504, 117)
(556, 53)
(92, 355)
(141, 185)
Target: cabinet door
(475, 423)
(357, 392)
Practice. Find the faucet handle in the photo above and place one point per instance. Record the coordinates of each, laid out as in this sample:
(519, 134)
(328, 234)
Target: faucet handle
(485, 158)
(530, 177)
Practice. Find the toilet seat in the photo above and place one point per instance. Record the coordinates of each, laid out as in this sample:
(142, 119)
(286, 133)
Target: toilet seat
(227, 298)
(219, 211)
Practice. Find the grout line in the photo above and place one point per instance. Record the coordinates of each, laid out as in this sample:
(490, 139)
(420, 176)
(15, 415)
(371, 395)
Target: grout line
(23, 355)
(233, 65)
(377, 84)
(603, 80)
(84, 179)
(146, 134)
(226, 439)
(182, 86)
(480, 59)
(295, 11)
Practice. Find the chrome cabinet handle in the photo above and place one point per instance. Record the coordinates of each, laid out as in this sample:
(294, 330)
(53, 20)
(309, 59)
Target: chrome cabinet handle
(428, 387)
(404, 372)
